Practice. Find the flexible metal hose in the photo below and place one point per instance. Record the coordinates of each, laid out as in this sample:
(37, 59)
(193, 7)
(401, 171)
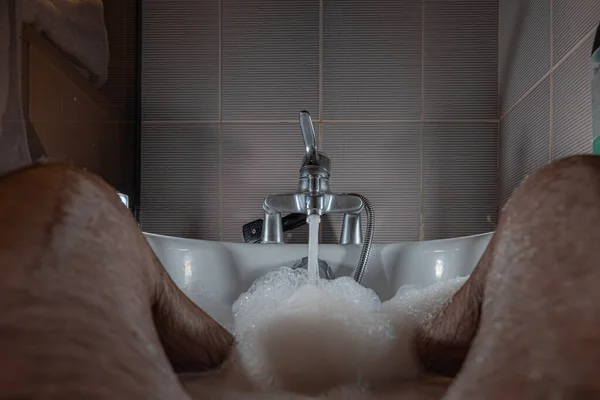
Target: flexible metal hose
(366, 249)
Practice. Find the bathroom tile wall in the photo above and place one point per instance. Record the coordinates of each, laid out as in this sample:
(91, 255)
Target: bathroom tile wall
(544, 84)
(120, 17)
(121, 21)
(403, 95)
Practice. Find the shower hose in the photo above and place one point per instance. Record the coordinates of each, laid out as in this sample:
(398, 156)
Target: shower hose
(366, 249)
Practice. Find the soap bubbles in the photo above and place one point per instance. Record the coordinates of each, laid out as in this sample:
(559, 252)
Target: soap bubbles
(296, 336)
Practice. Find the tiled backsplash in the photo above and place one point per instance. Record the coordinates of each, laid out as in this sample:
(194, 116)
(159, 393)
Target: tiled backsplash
(544, 72)
(403, 95)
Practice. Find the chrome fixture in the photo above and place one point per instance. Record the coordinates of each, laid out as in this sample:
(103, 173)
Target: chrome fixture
(124, 199)
(314, 196)
(325, 271)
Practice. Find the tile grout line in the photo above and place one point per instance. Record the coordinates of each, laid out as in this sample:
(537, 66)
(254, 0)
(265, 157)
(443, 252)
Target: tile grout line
(547, 74)
(322, 217)
(499, 108)
(422, 120)
(320, 141)
(320, 61)
(333, 121)
(551, 83)
(220, 120)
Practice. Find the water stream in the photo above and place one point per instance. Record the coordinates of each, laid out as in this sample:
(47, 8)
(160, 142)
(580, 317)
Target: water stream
(313, 221)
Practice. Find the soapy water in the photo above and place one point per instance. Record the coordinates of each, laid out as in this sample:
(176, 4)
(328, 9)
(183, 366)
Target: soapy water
(324, 338)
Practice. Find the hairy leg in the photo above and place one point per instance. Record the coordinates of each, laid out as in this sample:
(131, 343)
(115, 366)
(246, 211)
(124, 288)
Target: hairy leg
(87, 309)
(442, 343)
(528, 320)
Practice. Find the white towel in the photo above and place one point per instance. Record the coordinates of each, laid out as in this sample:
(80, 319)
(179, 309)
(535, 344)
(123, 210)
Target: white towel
(77, 27)
(14, 151)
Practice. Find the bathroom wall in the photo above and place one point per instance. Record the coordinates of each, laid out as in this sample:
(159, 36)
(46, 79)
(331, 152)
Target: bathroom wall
(122, 28)
(121, 90)
(92, 129)
(403, 95)
(544, 84)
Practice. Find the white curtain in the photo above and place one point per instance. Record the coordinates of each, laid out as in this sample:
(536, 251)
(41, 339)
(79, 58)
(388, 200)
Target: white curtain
(14, 150)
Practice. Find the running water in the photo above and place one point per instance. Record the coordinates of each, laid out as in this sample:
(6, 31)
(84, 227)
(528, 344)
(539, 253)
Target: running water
(313, 221)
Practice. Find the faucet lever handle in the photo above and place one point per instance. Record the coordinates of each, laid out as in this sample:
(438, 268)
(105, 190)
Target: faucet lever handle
(308, 134)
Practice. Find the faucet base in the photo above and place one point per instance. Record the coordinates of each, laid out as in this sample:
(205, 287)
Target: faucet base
(325, 271)
(272, 228)
(351, 229)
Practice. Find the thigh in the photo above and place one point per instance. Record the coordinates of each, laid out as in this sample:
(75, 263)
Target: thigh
(87, 310)
(539, 332)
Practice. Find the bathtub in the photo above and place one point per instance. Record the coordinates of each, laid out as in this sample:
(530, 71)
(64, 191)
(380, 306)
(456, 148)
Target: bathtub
(214, 274)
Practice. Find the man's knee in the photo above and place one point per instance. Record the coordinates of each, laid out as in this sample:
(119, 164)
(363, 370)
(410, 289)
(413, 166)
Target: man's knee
(567, 177)
(573, 166)
(56, 210)
(41, 183)
(542, 277)
(45, 196)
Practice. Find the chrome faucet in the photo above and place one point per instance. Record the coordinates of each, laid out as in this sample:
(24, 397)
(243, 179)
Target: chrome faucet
(313, 195)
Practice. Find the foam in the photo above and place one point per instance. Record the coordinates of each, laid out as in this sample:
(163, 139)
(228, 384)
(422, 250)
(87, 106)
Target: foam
(313, 339)
(420, 305)
(216, 309)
